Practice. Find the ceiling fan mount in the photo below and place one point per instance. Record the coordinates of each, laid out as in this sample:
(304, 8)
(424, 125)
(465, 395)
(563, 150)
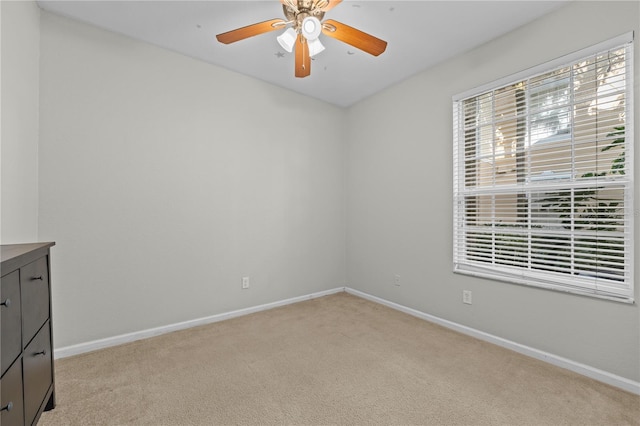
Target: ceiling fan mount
(305, 18)
(296, 13)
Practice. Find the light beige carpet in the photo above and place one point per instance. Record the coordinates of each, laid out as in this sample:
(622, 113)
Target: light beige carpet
(333, 360)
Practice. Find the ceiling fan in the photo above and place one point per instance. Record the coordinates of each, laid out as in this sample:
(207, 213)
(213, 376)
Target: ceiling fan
(305, 17)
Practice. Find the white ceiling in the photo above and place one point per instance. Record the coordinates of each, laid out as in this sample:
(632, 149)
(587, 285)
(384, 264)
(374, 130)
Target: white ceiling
(420, 34)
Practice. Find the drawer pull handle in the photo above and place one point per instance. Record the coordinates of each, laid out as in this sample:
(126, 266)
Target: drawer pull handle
(7, 407)
(39, 277)
(6, 303)
(42, 352)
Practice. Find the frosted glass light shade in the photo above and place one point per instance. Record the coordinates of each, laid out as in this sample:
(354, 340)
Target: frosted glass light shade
(315, 47)
(287, 39)
(311, 28)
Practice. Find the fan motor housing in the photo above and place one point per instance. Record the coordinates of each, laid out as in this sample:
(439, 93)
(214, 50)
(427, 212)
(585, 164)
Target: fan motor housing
(305, 9)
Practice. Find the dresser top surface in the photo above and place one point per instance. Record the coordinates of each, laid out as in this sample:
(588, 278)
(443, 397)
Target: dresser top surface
(10, 252)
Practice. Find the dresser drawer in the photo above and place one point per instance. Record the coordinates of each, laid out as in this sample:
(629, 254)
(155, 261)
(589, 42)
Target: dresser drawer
(11, 340)
(38, 374)
(34, 284)
(27, 384)
(11, 396)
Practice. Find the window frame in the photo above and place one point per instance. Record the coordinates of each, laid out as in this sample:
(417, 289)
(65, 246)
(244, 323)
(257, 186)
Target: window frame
(531, 277)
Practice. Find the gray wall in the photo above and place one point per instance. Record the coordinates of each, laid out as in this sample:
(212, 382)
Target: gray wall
(164, 180)
(20, 52)
(399, 186)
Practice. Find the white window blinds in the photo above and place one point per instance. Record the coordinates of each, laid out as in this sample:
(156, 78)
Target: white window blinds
(543, 175)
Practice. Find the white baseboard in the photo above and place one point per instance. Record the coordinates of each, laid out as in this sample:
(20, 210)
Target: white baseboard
(585, 370)
(151, 332)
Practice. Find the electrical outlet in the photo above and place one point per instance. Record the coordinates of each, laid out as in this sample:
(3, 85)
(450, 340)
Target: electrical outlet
(245, 282)
(466, 296)
(396, 280)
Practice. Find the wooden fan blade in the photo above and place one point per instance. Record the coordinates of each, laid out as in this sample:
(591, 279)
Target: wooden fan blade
(250, 31)
(303, 60)
(331, 4)
(354, 37)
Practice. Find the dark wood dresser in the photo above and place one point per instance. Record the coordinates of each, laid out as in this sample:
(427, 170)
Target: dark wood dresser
(27, 385)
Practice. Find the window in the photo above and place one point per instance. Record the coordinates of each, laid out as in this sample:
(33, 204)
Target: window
(543, 178)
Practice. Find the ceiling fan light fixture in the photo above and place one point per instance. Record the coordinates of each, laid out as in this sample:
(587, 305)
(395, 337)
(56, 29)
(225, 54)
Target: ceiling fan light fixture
(305, 18)
(311, 28)
(315, 47)
(288, 39)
